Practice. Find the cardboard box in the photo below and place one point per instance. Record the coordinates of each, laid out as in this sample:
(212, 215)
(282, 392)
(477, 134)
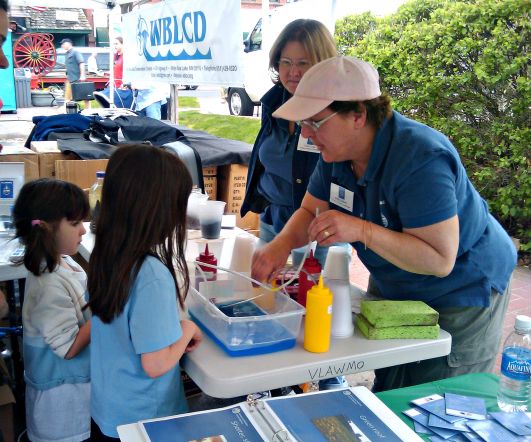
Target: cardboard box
(231, 189)
(7, 430)
(80, 172)
(210, 171)
(7, 400)
(48, 153)
(22, 155)
(211, 181)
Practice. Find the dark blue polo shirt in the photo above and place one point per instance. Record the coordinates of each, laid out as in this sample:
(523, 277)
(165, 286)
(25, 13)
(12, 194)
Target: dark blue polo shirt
(414, 179)
(278, 172)
(72, 60)
(276, 155)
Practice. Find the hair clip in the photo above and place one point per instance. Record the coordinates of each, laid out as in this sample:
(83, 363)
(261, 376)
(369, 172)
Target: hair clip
(36, 222)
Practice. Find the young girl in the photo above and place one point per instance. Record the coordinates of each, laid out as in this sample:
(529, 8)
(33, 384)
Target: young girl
(138, 336)
(48, 219)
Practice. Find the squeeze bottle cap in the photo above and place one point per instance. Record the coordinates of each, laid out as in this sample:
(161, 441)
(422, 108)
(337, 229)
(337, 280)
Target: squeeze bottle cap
(207, 258)
(311, 265)
(522, 323)
(320, 289)
(100, 174)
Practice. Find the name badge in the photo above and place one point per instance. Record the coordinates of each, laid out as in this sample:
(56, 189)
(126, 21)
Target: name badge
(341, 197)
(306, 144)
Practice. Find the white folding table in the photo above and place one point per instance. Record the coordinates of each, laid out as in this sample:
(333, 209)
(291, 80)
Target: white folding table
(223, 376)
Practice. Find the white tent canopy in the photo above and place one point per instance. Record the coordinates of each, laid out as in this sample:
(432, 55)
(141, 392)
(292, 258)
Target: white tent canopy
(83, 4)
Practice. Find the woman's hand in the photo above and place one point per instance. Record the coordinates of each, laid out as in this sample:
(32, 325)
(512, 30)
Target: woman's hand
(268, 259)
(333, 226)
(190, 328)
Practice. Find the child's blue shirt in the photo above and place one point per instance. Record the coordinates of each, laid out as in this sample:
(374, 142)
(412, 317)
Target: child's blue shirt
(52, 315)
(122, 392)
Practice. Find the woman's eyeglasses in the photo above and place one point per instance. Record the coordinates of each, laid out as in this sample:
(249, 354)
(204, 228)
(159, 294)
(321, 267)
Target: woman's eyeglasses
(315, 125)
(288, 64)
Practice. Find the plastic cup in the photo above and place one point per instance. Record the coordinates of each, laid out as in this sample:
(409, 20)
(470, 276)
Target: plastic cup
(242, 254)
(336, 265)
(210, 216)
(192, 211)
(342, 325)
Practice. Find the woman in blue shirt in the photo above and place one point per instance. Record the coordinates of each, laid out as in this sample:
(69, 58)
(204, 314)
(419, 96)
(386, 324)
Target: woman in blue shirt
(397, 191)
(282, 161)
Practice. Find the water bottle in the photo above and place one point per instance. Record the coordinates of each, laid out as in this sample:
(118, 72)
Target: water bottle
(95, 199)
(515, 376)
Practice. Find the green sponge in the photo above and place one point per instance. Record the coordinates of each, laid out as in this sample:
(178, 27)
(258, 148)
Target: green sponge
(395, 313)
(398, 332)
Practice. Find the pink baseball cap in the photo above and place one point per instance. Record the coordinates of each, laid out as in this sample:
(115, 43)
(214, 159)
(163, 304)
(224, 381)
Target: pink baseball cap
(334, 79)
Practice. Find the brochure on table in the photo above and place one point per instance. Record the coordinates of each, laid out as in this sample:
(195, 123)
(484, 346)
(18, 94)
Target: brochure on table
(352, 414)
(457, 417)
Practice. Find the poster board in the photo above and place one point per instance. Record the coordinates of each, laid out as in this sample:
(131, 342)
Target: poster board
(184, 42)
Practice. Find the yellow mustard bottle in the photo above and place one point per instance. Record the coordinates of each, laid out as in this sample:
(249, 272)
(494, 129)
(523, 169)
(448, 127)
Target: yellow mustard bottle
(318, 322)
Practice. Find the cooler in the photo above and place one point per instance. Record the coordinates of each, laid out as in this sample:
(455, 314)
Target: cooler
(83, 90)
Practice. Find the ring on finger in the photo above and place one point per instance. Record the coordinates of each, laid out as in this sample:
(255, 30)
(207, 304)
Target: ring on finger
(326, 233)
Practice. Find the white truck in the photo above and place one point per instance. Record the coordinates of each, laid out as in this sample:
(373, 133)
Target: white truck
(255, 58)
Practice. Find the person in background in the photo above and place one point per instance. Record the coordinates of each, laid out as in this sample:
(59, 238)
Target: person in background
(282, 160)
(4, 307)
(137, 281)
(118, 65)
(75, 67)
(92, 63)
(398, 192)
(48, 216)
(150, 98)
(4, 28)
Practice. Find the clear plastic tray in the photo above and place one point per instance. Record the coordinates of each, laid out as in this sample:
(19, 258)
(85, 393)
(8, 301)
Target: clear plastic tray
(243, 326)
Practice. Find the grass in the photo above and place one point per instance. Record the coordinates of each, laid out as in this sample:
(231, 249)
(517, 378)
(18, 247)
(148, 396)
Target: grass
(93, 105)
(191, 102)
(223, 126)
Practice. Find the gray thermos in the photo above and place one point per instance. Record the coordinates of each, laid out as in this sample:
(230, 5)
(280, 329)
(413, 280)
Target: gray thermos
(72, 107)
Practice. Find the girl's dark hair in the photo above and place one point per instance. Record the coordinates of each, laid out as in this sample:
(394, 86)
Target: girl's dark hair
(4, 5)
(378, 109)
(120, 39)
(314, 37)
(46, 202)
(143, 212)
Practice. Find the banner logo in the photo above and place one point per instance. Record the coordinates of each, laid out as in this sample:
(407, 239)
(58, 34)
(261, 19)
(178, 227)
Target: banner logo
(170, 34)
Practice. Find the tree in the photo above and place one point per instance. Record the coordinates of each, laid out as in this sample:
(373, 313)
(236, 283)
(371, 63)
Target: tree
(462, 67)
(351, 29)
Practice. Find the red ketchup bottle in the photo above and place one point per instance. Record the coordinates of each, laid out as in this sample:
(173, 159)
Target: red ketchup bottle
(209, 272)
(311, 266)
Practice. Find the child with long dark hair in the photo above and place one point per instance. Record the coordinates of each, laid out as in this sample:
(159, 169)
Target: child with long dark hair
(49, 222)
(137, 281)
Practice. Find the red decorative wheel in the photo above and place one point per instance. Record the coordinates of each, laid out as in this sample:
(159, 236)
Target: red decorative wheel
(36, 52)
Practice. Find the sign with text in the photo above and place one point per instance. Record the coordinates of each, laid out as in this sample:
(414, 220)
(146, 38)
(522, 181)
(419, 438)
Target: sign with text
(184, 42)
